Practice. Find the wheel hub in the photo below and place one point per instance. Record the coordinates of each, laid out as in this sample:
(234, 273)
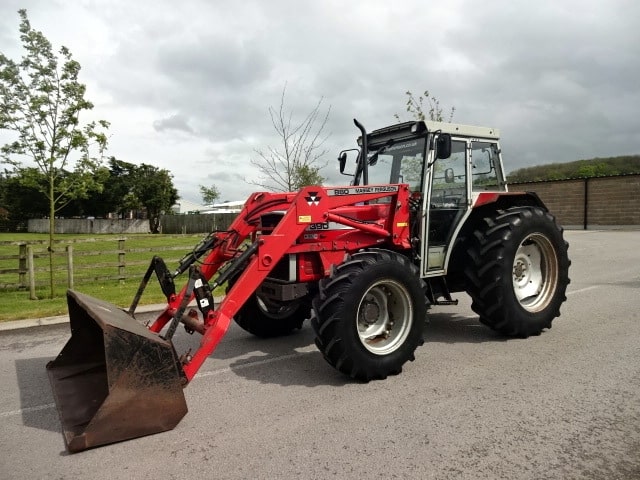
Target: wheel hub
(520, 269)
(370, 312)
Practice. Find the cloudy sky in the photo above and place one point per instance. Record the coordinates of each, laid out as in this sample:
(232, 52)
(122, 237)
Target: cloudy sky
(187, 85)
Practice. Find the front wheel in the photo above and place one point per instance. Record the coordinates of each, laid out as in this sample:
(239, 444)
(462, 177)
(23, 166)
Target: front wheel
(517, 275)
(368, 317)
(267, 318)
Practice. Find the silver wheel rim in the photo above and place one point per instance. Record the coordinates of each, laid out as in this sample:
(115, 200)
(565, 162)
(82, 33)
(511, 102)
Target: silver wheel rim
(385, 316)
(535, 272)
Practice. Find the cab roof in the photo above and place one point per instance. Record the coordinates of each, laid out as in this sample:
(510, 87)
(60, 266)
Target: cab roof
(457, 129)
(399, 131)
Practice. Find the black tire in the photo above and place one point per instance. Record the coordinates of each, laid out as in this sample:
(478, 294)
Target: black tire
(518, 271)
(384, 286)
(268, 319)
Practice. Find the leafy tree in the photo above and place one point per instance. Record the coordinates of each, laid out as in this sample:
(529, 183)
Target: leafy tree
(41, 101)
(416, 107)
(21, 201)
(113, 197)
(306, 175)
(296, 161)
(119, 185)
(152, 189)
(596, 169)
(132, 187)
(209, 194)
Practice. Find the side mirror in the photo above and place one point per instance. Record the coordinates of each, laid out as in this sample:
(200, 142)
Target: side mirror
(448, 175)
(342, 160)
(443, 146)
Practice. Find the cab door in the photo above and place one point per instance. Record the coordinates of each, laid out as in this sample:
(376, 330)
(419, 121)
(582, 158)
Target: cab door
(446, 203)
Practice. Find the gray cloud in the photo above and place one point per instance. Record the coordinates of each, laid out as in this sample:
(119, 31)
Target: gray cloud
(173, 122)
(559, 79)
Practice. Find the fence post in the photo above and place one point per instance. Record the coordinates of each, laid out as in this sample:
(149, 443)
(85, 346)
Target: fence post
(22, 266)
(121, 263)
(32, 274)
(585, 215)
(70, 266)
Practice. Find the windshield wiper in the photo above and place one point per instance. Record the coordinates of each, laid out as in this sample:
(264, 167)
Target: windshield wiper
(374, 158)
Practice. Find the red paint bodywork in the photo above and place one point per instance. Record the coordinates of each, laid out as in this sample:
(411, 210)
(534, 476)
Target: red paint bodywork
(362, 223)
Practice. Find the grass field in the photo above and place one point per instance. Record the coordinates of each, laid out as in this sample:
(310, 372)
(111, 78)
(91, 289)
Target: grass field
(94, 258)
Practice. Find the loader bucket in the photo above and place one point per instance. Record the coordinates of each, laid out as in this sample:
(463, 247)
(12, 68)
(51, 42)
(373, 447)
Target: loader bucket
(114, 379)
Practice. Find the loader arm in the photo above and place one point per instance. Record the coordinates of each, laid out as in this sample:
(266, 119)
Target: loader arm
(311, 205)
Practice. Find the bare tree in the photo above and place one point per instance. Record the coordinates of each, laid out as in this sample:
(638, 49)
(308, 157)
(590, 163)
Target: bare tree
(297, 161)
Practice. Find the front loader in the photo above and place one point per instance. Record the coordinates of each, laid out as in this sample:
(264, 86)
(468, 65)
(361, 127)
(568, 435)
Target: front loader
(427, 213)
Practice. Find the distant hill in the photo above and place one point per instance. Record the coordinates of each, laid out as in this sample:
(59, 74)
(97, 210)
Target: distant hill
(595, 167)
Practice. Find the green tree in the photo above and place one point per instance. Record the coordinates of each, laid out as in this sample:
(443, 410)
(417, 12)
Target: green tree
(298, 158)
(21, 201)
(41, 101)
(417, 106)
(209, 194)
(594, 170)
(119, 185)
(306, 175)
(153, 190)
(113, 197)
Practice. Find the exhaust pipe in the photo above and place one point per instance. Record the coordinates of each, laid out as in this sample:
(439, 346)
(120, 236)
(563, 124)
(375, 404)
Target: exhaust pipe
(114, 379)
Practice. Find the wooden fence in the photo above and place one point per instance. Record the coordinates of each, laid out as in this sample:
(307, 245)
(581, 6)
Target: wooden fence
(26, 271)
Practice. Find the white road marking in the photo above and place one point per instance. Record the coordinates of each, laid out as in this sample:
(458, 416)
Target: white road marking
(246, 365)
(586, 289)
(27, 410)
(266, 361)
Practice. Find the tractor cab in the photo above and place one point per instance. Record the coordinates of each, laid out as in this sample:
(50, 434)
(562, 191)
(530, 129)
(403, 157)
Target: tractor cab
(446, 166)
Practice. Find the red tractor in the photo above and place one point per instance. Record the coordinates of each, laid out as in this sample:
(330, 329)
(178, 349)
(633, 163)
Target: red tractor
(426, 214)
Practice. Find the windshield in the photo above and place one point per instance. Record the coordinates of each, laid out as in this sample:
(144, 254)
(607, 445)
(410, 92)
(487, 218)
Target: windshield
(400, 162)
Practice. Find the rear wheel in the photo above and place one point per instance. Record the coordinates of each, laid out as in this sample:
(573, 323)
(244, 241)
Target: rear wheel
(369, 315)
(518, 273)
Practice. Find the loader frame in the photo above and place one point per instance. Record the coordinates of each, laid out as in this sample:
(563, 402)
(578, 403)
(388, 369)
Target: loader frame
(310, 206)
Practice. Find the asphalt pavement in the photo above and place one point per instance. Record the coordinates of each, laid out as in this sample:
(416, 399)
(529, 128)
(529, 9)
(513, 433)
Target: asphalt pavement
(473, 405)
(59, 319)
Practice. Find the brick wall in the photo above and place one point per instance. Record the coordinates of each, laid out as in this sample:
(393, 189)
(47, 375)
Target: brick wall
(611, 201)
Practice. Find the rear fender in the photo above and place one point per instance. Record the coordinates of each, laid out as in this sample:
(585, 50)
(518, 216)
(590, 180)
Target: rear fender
(502, 200)
(484, 204)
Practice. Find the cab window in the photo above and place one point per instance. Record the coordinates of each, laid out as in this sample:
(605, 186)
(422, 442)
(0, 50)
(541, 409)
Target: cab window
(485, 166)
(449, 186)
